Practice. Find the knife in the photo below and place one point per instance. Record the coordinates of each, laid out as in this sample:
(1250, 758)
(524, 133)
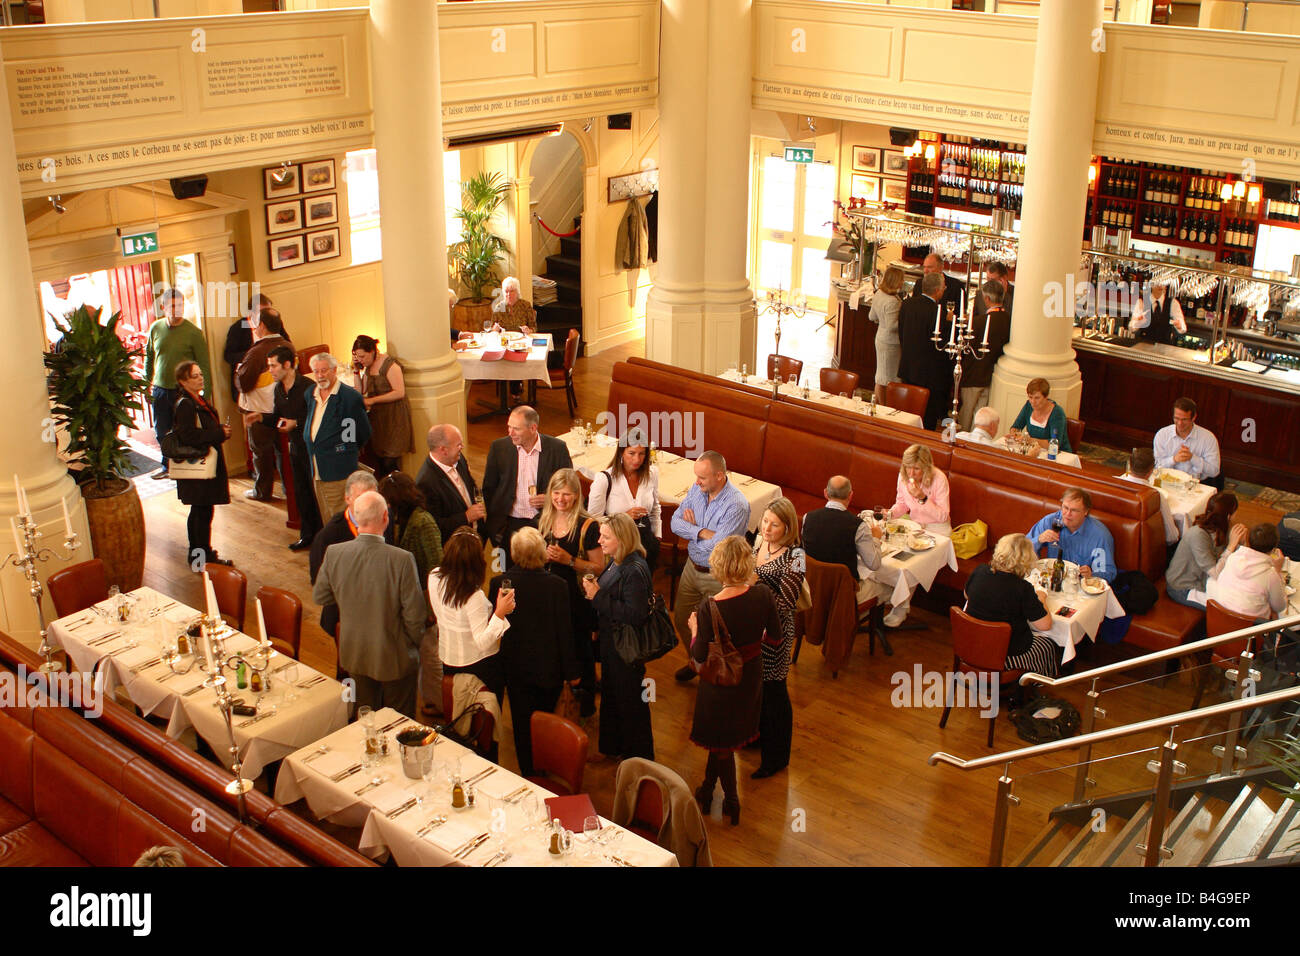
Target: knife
(402, 809)
(473, 845)
(482, 775)
(253, 720)
(344, 774)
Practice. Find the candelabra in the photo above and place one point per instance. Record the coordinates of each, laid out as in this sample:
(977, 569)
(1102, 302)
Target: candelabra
(961, 339)
(783, 304)
(27, 552)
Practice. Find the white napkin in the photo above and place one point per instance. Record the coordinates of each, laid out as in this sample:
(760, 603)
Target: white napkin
(499, 784)
(452, 834)
(388, 797)
(336, 761)
(136, 655)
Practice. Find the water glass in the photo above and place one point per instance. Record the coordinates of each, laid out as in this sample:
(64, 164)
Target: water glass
(288, 680)
(366, 717)
(591, 836)
(792, 381)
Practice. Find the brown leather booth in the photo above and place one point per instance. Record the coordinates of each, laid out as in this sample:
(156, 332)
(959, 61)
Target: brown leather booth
(798, 445)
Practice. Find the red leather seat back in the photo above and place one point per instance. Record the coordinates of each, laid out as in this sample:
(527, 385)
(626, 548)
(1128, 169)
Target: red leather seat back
(77, 807)
(282, 611)
(177, 806)
(248, 848)
(559, 748)
(78, 587)
(16, 763)
(137, 831)
(981, 645)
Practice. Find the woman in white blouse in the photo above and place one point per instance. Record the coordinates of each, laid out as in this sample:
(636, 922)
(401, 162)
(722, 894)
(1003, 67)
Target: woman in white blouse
(630, 486)
(469, 627)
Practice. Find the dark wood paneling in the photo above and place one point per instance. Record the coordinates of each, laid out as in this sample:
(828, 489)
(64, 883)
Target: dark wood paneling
(856, 343)
(1261, 425)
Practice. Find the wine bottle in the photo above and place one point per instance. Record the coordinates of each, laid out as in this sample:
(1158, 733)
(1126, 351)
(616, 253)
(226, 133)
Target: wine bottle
(1182, 230)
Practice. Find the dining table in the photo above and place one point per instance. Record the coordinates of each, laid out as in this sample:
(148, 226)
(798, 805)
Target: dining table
(301, 705)
(486, 360)
(906, 562)
(676, 474)
(1186, 500)
(412, 820)
(845, 403)
(1076, 613)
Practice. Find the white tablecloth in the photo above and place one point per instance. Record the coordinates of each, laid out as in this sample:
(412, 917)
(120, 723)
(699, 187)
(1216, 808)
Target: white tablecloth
(156, 690)
(1068, 458)
(853, 405)
(1089, 611)
(915, 567)
(676, 474)
(475, 369)
(1292, 598)
(1184, 506)
(382, 834)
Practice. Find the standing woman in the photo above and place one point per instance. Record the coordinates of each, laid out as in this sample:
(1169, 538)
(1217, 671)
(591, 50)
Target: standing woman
(196, 423)
(884, 309)
(384, 391)
(469, 625)
(630, 486)
(621, 596)
(726, 718)
(779, 564)
(573, 549)
(414, 529)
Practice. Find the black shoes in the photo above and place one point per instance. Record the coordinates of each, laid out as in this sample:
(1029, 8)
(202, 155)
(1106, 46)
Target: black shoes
(764, 772)
(160, 475)
(686, 674)
(214, 558)
(731, 808)
(704, 796)
(302, 544)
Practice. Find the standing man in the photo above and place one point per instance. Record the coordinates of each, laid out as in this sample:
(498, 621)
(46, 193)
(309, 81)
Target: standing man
(1187, 446)
(336, 428)
(172, 340)
(342, 527)
(519, 467)
(257, 399)
(996, 272)
(952, 288)
(382, 610)
(920, 363)
(713, 509)
(288, 412)
(977, 374)
(445, 480)
(1156, 313)
(239, 337)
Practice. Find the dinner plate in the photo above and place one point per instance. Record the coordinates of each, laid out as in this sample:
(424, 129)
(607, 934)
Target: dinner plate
(1083, 586)
(902, 525)
(920, 542)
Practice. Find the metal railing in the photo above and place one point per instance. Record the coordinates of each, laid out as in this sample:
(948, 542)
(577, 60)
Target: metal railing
(1244, 677)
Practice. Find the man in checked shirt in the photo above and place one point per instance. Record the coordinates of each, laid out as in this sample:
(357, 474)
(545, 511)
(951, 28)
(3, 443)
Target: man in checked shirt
(713, 509)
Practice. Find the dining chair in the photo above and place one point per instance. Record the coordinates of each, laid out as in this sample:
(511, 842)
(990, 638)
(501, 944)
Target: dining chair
(78, 587)
(564, 374)
(979, 648)
(1074, 432)
(781, 367)
(559, 751)
(907, 398)
(231, 587)
(648, 813)
(1218, 621)
(834, 623)
(282, 612)
(839, 381)
(482, 726)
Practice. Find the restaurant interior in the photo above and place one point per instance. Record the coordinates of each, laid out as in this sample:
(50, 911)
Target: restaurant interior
(700, 199)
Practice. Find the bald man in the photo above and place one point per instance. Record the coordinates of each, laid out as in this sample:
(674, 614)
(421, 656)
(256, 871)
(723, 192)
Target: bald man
(952, 288)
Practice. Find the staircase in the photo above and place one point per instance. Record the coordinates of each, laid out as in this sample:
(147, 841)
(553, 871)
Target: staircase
(565, 313)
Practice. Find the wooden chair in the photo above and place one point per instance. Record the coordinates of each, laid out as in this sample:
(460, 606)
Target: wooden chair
(231, 587)
(781, 367)
(559, 751)
(482, 725)
(671, 550)
(838, 381)
(78, 587)
(1218, 621)
(1074, 432)
(907, 398)
(304, 357)
(836, 627)
(979, 648)
(564, 374)
(282, 612)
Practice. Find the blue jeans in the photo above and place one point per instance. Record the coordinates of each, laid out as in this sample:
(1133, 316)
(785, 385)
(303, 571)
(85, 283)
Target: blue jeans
(164, 401)
(1180, 596)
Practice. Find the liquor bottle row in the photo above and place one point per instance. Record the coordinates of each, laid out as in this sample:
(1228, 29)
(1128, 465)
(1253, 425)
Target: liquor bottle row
(1162, 188)
(1117, 216)
(989, 195)
(1203, 193)
(1122, 183)
(1201, 229)
(1239, 233)
(921, 188)
(1283, 211)
(983, 162)
(1158, 222)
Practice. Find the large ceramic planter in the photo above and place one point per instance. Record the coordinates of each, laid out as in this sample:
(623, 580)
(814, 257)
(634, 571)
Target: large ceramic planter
(470, 314)
(117, 531)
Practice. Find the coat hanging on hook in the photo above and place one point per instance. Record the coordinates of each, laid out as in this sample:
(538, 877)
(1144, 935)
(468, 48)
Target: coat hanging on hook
(630, 245)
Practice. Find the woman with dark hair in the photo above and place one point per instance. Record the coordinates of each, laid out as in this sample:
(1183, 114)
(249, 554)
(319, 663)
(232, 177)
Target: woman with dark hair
(196, 423)
(630, 486)
(469, 625)
(1040, 417)
(384, 391)
(414, 529)
(1203, 549)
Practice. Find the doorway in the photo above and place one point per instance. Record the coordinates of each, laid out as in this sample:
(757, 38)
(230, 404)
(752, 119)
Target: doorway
(556, 201)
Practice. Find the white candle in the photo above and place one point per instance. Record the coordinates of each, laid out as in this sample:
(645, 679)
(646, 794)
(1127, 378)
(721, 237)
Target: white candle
(209, 659)
(986, 331)
(22, 498)
(18, 542)
(952, 334)
(67, 519)
(937, 309)
(261, 623)
(212, 598)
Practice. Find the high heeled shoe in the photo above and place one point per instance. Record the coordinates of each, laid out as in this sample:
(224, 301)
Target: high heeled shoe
(704, 797)
(731, 808)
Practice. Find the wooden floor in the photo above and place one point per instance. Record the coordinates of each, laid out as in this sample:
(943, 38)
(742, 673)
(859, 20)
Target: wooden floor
(858, 790)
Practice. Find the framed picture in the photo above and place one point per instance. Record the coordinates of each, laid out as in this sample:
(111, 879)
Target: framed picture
(865, 187)
(318, 176)
(895, 163)
(323, 245)
(285, 252)
(234, 262)
(321, 210)
(894, 190)
(283, 217)
(282, 181)
(866, 159)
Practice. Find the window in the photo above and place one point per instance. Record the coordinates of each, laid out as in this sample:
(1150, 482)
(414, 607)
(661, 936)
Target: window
(363, 202)
(451, 192)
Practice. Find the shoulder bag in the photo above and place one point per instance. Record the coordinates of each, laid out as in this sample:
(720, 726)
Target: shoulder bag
(172, 447)
(650, 640)
(725, 666)
(649, 540)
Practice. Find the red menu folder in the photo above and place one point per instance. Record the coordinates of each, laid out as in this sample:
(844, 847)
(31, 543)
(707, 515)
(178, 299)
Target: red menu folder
(572, 811)
(513, 355)
(493, 356)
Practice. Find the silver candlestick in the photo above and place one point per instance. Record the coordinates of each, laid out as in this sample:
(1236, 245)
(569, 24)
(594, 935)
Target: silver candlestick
(961, 341)
(28, 552)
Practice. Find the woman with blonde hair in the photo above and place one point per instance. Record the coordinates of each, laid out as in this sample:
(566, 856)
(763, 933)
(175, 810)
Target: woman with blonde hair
(922, 491)
(621, 595)
(998, 591)
(779, 564)
(726, 717)
(883, 310)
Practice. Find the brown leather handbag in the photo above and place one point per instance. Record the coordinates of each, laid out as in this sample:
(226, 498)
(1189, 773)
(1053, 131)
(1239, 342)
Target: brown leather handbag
(725, 664)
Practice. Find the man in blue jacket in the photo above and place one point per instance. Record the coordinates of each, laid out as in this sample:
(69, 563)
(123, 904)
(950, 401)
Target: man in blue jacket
(335, 429)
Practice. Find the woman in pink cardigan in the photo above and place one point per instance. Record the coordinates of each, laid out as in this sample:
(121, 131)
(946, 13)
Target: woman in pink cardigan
(922, 491)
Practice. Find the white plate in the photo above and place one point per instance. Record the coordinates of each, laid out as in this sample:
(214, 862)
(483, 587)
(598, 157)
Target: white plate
(917, 543)
(910, 526)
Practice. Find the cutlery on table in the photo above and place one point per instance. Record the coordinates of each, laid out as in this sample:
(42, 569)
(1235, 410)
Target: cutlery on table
(433, 824)
(318, 679)
(192, 691)
(344, 774)
(104, 640)
(500, 858)
(374, 782)
(73, 627)
(515, 796)
(320, 751)
(398, 811)
(390, 725)
(481, 775)
(145, 666)
(467, 848)
(253, 720)
(619, 861)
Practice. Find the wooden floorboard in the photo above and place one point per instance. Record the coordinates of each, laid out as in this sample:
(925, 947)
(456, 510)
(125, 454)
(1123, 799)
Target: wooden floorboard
(858, 791)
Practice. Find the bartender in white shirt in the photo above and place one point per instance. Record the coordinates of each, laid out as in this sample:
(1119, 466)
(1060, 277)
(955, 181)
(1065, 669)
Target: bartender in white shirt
(1155, 313)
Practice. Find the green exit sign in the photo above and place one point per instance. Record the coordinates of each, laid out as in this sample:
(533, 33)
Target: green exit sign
(140, 243)
(798, 154)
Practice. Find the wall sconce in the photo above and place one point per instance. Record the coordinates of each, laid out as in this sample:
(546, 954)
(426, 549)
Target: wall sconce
(281, 175)
(1225, 192)
(930, 153)
(1239, 189)
(1092, 173)
(1252, 196)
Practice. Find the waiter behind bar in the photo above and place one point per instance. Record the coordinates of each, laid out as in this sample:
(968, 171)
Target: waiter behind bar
(1155, 312)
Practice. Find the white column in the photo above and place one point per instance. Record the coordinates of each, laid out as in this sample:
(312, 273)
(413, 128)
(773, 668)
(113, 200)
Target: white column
(407, 101)
(27, 448)
(700, 314)
(1061, 118)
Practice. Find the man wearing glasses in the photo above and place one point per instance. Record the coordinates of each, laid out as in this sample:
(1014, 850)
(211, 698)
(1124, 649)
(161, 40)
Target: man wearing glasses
(1077, 536)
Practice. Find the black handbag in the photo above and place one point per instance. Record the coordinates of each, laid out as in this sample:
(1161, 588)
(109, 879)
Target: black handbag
(650, 640)
(467, 727)
(174, 450)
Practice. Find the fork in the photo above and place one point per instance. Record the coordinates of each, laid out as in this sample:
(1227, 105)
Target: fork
(389, 726)
(471, 846)
(431, 825)
(501, 857)
(376, 782)
(192, 691)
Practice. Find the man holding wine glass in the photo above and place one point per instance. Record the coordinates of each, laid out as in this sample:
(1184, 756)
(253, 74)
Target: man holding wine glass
(835, 535)
(1076, 536)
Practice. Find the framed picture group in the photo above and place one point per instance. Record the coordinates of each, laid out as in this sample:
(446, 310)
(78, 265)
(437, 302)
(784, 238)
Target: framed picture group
(879, 175)
(300, 200)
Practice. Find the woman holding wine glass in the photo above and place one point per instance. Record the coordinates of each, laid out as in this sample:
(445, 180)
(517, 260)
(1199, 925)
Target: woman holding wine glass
(778, 564)
(630, 486)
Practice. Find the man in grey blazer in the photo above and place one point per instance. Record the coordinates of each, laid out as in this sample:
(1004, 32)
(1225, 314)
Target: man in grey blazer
(382, 611)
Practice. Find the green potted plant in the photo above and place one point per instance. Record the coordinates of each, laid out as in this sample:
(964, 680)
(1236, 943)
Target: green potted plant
(93, 389)
(474, 256)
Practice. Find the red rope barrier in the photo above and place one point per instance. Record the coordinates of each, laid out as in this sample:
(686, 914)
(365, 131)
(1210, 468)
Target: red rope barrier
(560, 235)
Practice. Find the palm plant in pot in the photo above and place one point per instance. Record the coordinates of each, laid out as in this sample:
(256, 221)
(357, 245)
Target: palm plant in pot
(93, 389)
(474, 256)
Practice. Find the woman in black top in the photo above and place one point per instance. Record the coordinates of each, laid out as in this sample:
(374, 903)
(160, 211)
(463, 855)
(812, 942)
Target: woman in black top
(195, 423)
(998, 591)
(621, 596)
(726, 718)
(572, 550)
(537, 650)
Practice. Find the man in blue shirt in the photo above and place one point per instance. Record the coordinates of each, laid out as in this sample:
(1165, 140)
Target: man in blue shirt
(1077, 536)
(1188, 447)
(713, 509)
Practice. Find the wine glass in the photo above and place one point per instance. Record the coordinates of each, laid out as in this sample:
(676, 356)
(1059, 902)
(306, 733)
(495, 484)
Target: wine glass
(792, 381)
(487, 326)
(507, 586)
(590, 834)
(288, 680)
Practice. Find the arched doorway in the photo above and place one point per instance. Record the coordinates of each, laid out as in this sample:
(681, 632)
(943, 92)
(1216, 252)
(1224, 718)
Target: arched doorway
(557, 197)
